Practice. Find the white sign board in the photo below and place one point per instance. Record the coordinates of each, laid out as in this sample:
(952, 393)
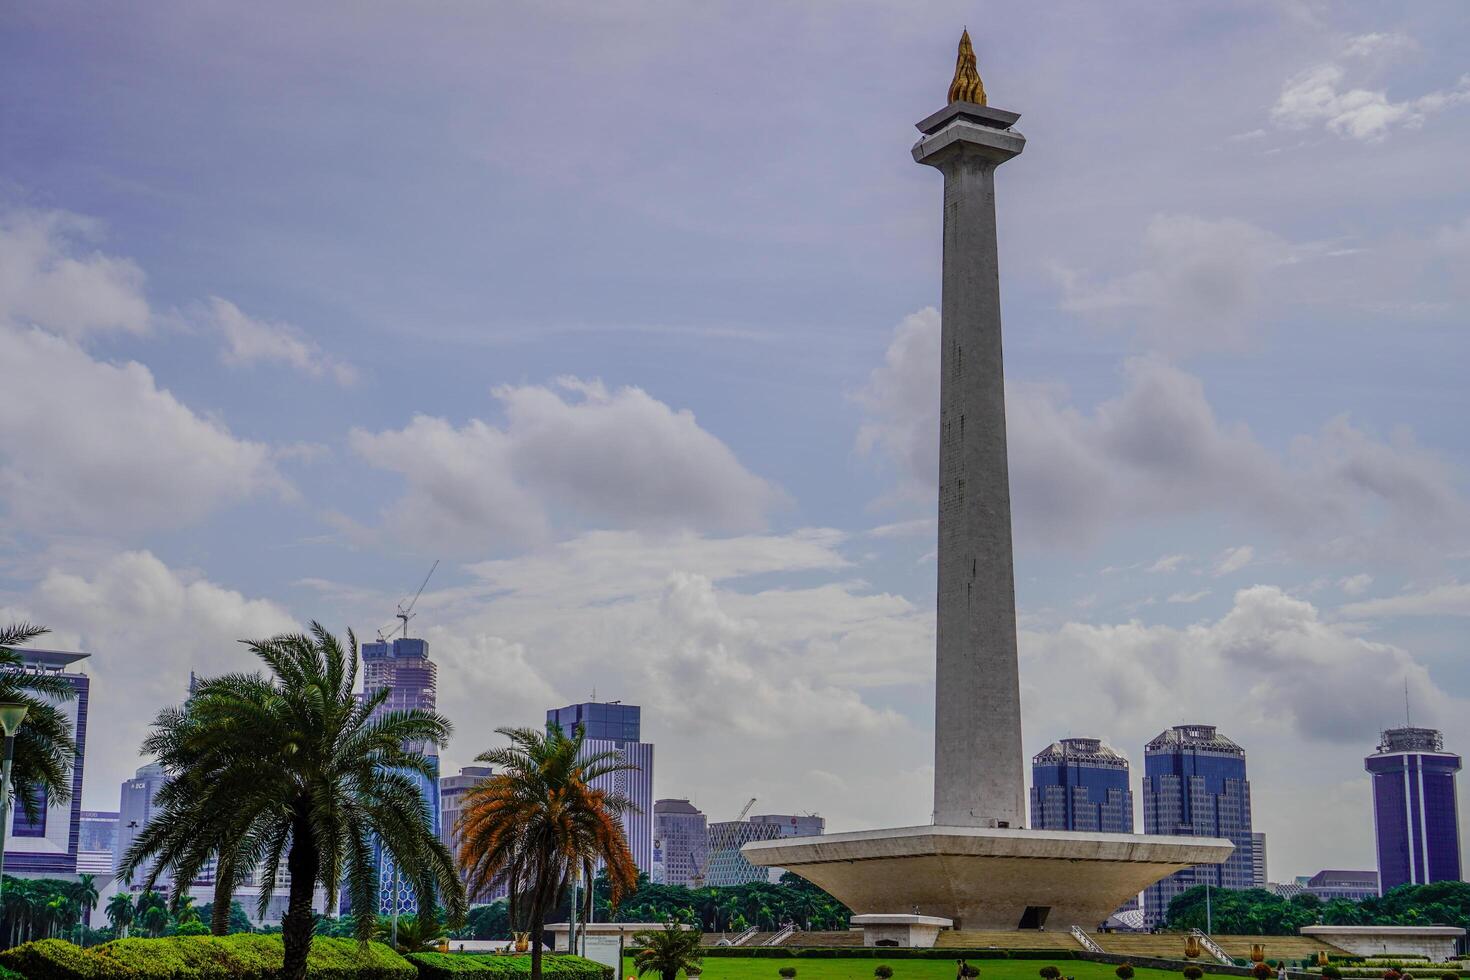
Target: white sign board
(607, 950)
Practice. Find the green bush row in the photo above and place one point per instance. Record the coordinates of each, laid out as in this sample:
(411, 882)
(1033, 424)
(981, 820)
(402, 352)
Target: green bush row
(241, 957)
(884, 953)
(472, 966)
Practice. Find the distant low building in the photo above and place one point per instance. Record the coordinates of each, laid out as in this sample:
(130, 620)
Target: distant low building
(1351, 885)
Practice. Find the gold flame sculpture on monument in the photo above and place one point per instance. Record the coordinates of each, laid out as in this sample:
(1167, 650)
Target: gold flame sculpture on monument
(975, 866)
(967, 86)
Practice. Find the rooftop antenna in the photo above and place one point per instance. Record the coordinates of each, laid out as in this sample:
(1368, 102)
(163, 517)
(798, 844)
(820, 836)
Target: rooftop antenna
(405, 613)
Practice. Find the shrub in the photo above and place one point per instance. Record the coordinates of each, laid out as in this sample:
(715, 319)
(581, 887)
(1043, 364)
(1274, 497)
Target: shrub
(470, 966)
(787, 971)
(1392, 974)
(1124, 971)
(1449, 975)
(1049, 973)
(1193, 973)
(969, 970)
(52, 959)
(6, 974)
(1262, 971)
(241, 957)
(883, 971)
(1331, 972)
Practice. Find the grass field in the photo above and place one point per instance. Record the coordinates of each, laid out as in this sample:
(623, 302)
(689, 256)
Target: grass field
(739, 968)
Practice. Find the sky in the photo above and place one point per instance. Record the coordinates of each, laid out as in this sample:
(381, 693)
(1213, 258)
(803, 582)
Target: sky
(626, 314)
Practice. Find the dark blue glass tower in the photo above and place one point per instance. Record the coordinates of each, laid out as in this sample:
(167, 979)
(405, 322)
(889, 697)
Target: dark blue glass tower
(1414, 808)
(615, 727)
(1194, 785)
(1081, 784)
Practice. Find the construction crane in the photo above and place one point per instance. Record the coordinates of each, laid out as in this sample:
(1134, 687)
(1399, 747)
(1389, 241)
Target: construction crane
(717, 842)
(405, 613)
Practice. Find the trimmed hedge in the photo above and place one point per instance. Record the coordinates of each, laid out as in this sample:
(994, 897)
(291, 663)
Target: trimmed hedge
(480, 966)
(240, 957)
(886, 953)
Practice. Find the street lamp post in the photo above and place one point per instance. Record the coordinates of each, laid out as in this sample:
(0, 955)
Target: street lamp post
(11, 716)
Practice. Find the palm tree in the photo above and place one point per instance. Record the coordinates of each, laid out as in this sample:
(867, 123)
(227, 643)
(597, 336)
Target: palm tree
(120, 913)
(420, 933)
(668, 951)
(44, 746)
(295, 773)
(539, 821)
(85, 892)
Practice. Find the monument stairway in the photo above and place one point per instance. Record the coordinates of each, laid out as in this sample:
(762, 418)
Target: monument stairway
(1010, 939)
(780, 938)
(1170, 945)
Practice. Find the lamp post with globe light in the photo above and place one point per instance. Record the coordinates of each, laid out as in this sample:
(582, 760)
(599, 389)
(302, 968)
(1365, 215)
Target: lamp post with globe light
(11, 716)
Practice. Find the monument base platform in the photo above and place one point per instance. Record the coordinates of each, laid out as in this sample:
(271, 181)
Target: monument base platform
(987, 878)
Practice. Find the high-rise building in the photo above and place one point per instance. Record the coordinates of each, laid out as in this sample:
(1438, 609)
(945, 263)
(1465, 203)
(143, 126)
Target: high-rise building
(452, 790)
(1195, 785)
(727, 867)
(97, 842)
(611, 726)
(47, 846)
(1081, 784)
(1414, 812)
(680, 843)
(1258, 857)
(404, 668)
(135, 809)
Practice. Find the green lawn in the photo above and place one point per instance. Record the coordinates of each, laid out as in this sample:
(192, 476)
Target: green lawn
(742, 968)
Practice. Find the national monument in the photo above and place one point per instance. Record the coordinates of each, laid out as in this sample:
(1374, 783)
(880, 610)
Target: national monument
(975, 866)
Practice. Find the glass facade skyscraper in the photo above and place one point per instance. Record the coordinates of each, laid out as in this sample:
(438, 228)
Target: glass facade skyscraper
(403, 666)
(1414, 811)
(1195, 785)
(611, 726)
(680, 843)
(1081, 784)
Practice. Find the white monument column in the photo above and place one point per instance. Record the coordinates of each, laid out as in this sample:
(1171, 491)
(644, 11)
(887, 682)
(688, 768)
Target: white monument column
(978, 757)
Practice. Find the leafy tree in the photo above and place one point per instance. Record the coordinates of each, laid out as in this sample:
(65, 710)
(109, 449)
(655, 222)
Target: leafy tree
(85, 892)
(490, 921)
(235, 918)
(668, 951)
(299, 767)
(44, 744)
(539, 821)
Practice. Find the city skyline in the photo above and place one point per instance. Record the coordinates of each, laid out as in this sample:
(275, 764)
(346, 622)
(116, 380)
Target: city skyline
(666, 410)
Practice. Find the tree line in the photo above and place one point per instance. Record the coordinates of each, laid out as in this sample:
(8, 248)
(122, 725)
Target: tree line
(1257, 912)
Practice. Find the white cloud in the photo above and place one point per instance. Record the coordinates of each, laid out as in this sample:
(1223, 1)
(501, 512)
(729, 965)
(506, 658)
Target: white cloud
(147, 626)
(1322, 95)
(574, 453)
(1355, 584)
(1234, 559)
(48, 277)
(1377, 44)
(1451, 599)
(249, 340)
(1189, 597)
(1157, 450)
(1198, 284)
(92, 446)
(1168, 563)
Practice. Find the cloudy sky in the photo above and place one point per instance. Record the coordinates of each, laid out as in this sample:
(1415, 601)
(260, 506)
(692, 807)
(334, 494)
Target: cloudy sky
(626, 312)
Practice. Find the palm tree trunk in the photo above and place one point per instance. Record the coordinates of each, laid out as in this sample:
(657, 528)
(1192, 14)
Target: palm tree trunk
(219, 914)
(303, 863)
